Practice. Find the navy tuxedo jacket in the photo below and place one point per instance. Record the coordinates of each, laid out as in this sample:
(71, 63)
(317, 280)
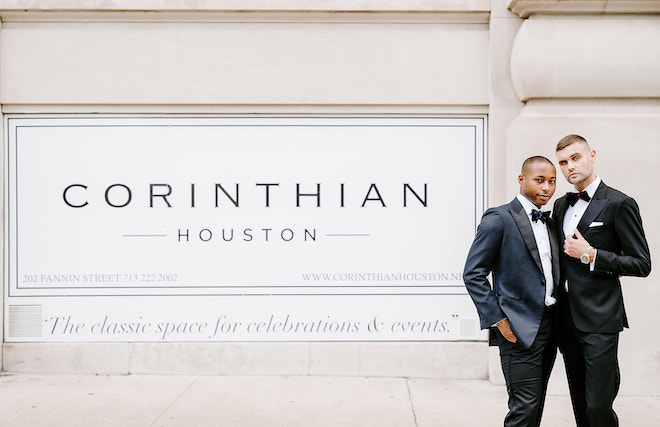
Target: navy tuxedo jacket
(505, 245)
(611, 224)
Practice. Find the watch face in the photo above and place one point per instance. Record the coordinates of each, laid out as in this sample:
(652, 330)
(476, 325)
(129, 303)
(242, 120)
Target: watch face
(584, 258)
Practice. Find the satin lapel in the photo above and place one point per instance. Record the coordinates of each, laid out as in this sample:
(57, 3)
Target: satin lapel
(555, 248)
(525, 228)
(595, 206)
(559, 216)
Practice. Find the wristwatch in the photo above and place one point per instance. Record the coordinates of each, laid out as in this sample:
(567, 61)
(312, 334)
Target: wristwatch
(585, 258)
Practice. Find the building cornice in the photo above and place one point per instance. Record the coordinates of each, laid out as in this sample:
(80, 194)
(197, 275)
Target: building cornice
(526, 8)
(460, 11)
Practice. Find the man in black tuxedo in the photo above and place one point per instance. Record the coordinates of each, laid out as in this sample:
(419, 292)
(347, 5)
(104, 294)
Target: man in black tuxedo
(517, 243)
(601, 230)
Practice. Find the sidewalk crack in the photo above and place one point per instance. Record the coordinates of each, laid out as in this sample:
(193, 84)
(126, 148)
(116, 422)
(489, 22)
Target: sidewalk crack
(410, 399)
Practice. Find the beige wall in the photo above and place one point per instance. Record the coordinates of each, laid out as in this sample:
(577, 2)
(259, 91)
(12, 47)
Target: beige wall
(424, 59)
(288, 63)
(550, 68)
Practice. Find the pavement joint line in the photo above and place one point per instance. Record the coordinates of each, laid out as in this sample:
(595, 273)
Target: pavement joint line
(176, 399)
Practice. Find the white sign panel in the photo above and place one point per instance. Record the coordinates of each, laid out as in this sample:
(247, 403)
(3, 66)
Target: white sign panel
(168, 228)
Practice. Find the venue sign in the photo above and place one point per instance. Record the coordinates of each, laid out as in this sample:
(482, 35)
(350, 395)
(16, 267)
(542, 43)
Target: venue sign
(199, 228)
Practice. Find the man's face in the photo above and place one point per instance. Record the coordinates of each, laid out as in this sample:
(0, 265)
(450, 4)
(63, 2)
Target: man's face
(538, 182)
(577, 164)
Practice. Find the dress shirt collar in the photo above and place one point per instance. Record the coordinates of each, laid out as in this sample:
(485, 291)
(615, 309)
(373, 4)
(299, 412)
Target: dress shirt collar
(527, 204)
(591, 188)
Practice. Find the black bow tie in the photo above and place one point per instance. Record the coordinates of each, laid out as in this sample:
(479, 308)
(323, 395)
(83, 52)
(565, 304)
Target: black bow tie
(543, 216)
(572, 198)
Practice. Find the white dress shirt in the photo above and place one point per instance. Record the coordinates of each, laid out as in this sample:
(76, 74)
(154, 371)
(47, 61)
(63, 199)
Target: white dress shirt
(574, 214)
(542, 237)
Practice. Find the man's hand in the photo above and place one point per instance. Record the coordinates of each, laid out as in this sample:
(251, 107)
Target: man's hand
(505, 328)
(574, 247)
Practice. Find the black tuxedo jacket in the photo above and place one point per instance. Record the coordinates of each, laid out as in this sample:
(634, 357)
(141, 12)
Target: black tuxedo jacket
(612, 225)
(505, 245)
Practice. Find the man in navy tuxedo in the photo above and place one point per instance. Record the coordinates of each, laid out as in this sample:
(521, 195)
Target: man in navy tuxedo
(603, 239)
(517, 243)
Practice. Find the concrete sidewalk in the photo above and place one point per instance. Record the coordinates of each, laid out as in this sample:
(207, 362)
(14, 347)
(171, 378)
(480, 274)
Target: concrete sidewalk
(183, 400)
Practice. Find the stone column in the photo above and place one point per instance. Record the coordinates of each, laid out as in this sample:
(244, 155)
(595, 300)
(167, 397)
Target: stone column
(592, 68)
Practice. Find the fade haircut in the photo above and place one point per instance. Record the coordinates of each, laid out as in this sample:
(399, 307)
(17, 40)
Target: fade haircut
(527, 164)
(570, 140)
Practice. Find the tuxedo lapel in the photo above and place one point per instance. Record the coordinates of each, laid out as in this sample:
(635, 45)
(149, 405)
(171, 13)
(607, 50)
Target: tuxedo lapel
(525, 228)
(555, 248)
(595, 207)
(562, 205)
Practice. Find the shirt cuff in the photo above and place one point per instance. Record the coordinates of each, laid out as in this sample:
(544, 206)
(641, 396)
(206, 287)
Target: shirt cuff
(592, 264)
(495, 324)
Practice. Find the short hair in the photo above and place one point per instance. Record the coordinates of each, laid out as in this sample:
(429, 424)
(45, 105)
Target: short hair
(570, 140)
(527, 164)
